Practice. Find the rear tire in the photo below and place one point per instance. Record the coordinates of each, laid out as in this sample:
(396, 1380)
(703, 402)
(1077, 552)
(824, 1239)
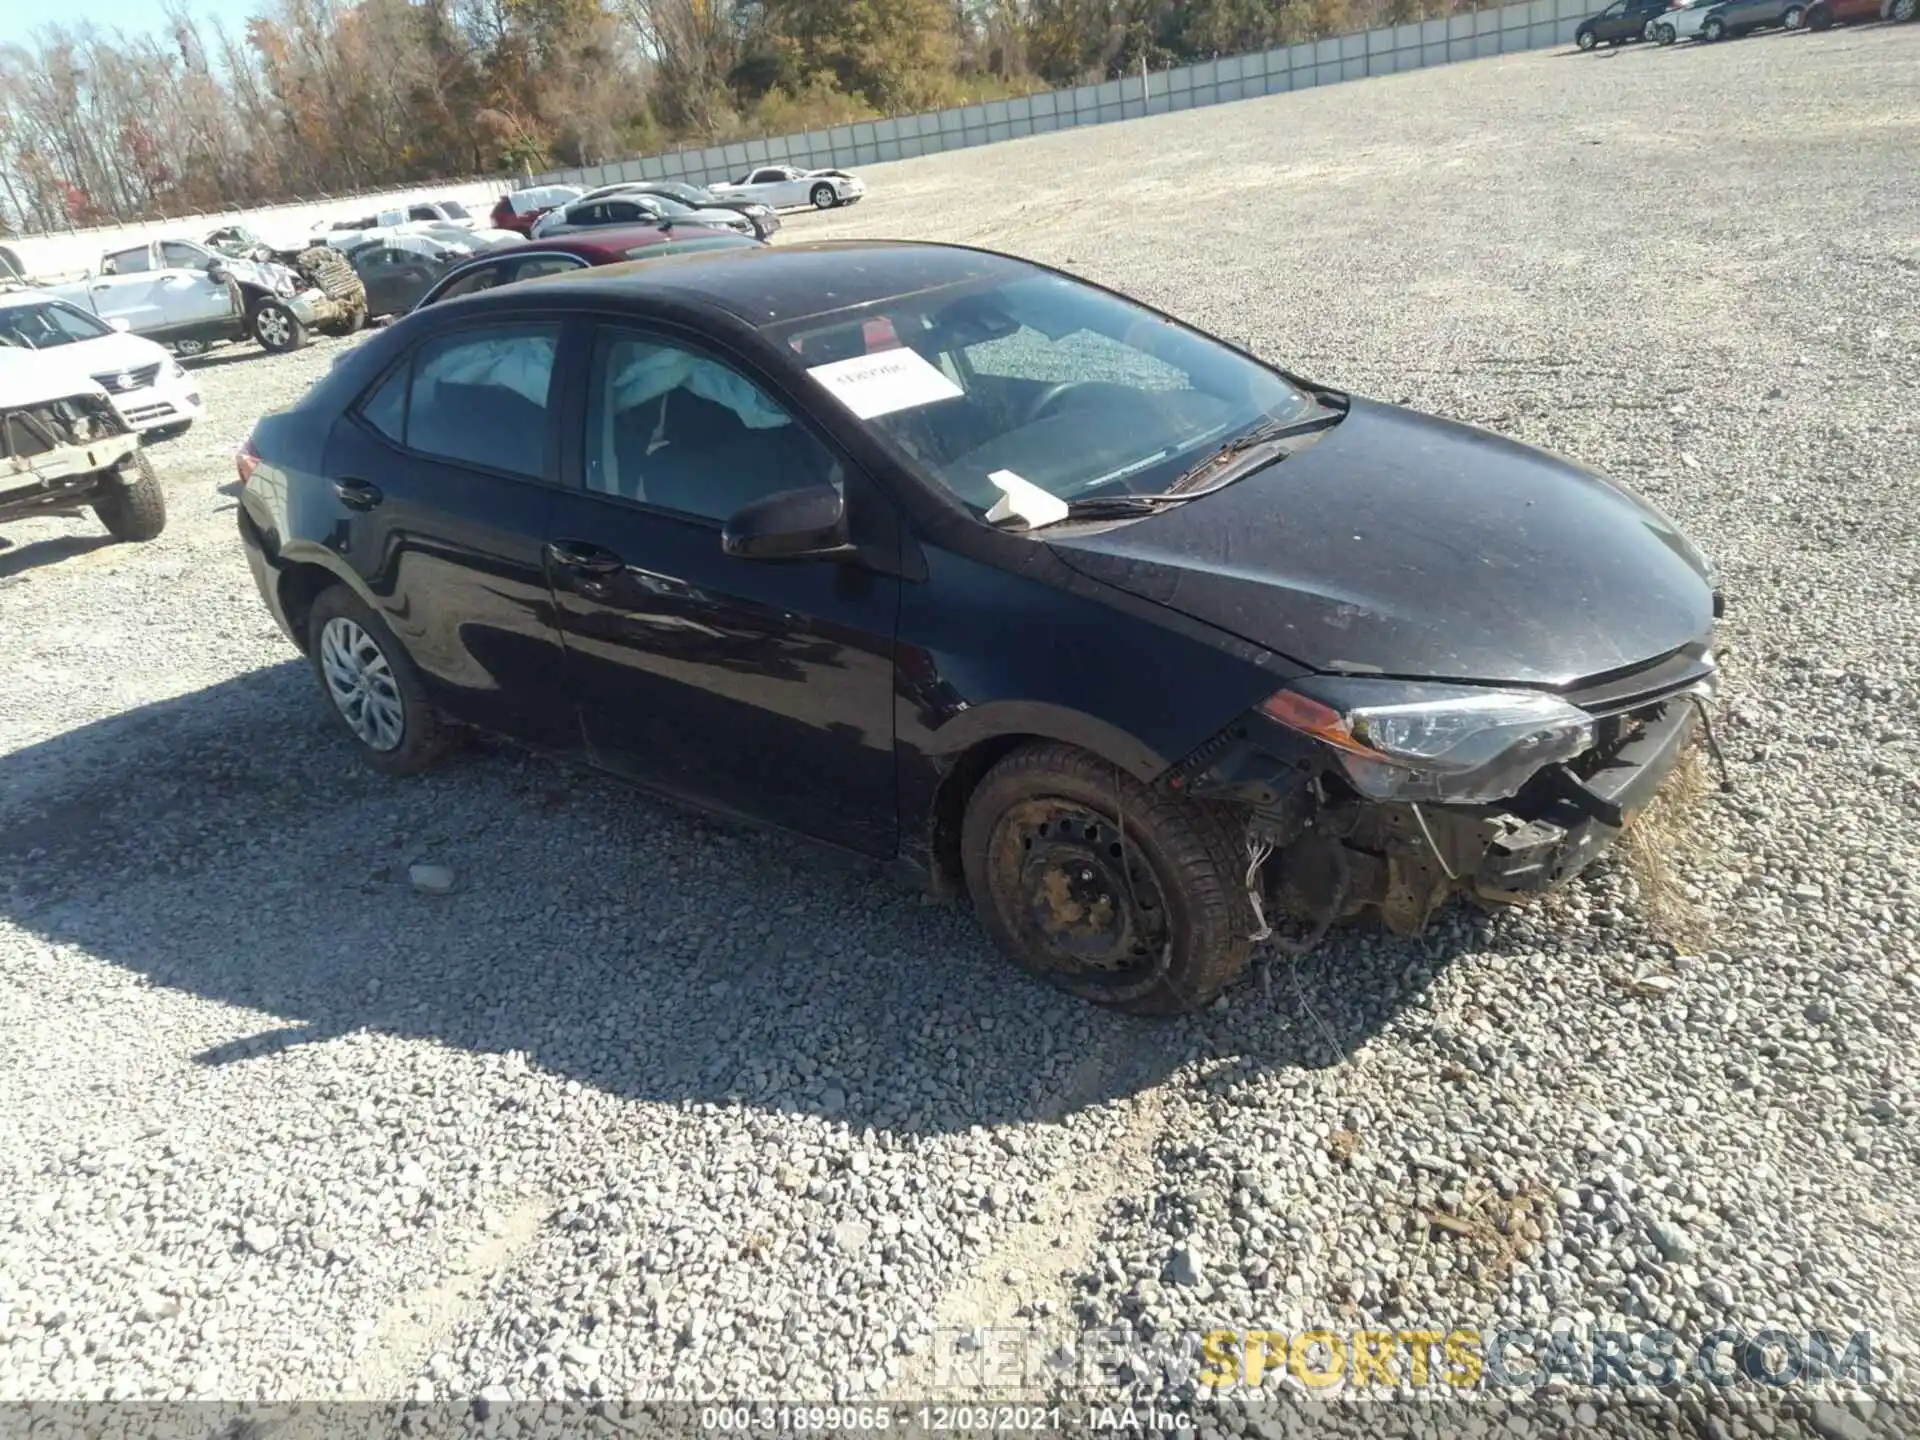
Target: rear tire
(1794, 18)
(823, 196)
(1903, 11)
(1819, 18)
(1115, 893)
(276, 328)
(365, 674)
(136, 511)
(1712, 30)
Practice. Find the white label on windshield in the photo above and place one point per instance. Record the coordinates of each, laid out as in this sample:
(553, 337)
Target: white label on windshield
(1021, 499)
(875, 385)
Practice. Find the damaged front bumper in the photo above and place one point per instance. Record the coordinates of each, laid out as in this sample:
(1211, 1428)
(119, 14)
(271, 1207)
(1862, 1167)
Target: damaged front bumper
(1336, 854)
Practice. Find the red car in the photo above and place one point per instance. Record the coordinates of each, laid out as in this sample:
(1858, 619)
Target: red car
(1851, 12)
(518, 210)
(508, 263)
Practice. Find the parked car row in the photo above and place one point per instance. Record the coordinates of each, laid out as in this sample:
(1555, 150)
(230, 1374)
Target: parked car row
(1666, 21)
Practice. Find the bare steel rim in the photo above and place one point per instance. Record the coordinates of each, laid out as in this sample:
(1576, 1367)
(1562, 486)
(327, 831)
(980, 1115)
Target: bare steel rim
(1081, 898)
(361, 683)
(273, 327)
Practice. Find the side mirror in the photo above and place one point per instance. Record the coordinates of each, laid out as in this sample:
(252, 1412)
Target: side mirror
(808, 524)
(120, 323)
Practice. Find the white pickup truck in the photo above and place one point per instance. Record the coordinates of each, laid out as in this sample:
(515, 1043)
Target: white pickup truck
(187, 296)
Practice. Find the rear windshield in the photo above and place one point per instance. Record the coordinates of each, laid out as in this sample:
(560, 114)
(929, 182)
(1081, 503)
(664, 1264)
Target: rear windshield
(1068, 387)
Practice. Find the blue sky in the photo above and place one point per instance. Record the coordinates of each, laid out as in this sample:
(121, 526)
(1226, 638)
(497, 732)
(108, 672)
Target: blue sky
(19, 18)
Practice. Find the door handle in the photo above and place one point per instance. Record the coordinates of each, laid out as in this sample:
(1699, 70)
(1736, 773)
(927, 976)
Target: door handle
(357, 494)
(584, 559)
(103, 287)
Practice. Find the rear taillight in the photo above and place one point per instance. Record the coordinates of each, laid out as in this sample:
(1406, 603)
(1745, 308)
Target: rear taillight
(245, 460)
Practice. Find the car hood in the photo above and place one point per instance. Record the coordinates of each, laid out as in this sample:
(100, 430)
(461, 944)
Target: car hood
(725, 219)
(1405, 545)
(110, 353)
(27, 379)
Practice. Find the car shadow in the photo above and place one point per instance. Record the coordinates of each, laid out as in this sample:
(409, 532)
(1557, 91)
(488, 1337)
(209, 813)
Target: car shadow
(18, 559)
(227, 844)
(231, 355)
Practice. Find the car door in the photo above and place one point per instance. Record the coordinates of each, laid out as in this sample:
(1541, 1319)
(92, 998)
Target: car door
(376, 265)
(443, 477)
(128, 288)
(188, 292)
(1611, 22)
(760, 688)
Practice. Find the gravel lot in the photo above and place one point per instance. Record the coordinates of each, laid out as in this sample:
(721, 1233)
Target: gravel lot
(647, 1106)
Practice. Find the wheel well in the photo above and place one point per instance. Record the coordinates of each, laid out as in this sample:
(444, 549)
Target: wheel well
(300, 586)
(950, 806)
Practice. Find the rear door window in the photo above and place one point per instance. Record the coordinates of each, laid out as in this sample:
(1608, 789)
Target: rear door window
(483, 277)
(538, 265)
(476, 397)
(127, 262)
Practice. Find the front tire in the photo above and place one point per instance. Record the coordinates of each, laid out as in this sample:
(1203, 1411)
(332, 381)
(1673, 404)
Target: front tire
(1794, 18)
(1115, 893)
(1903, 11)
(276, 328)
(135, 511)
(1819, 18)
(371, 685)
(1664, 34)
(1712, 31)
(823, 196)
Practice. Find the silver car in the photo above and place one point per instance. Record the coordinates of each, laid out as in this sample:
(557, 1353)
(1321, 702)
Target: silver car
(631, 209)
(1683, 22)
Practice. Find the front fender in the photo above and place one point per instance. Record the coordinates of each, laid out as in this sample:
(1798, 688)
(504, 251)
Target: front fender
(1002, 718)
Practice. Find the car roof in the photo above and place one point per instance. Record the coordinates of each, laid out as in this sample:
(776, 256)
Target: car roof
(773, 284)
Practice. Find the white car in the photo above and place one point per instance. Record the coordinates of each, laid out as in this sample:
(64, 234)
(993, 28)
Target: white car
(785, 188)
(1683, 22)
(147, 386)
(62, 444)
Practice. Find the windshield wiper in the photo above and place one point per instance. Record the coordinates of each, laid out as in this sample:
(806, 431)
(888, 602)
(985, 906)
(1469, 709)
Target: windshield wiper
(1185, 485)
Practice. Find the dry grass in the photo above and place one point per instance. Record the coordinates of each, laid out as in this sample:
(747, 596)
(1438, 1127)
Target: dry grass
(1672, 829)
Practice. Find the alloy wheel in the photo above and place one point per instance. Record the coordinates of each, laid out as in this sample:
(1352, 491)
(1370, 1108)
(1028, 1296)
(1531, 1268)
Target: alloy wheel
(361, 684)
(1585, 40)
(1793, 18)
(271, 328)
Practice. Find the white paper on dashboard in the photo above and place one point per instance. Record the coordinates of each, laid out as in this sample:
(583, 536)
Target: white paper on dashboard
(874, 385)
(1021, 499)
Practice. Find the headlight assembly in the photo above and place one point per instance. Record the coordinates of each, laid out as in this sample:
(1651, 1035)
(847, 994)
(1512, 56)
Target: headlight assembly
(1415, 741)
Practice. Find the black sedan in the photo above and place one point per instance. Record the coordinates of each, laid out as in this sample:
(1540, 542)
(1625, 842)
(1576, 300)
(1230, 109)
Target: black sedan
(1620, 22)
(947, 558)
